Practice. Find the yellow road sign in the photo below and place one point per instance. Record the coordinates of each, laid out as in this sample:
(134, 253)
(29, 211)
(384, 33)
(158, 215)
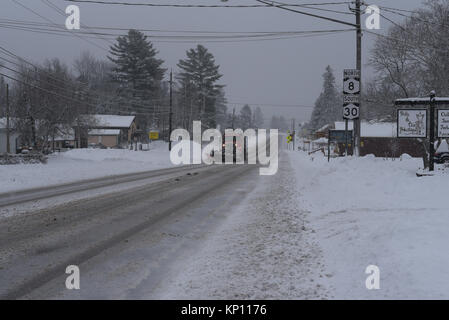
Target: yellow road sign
(154, 135)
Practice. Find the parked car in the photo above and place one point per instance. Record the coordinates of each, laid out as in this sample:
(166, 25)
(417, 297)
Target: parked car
(441, 157)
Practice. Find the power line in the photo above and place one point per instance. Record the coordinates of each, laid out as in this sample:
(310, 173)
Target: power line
(307, 14)
(188, 39)
(41, 24)
(123, 3)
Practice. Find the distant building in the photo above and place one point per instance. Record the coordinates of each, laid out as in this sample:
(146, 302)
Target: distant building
(110, 130)
(380, 139)
(106, 137)
(13, 137)
(64, 139)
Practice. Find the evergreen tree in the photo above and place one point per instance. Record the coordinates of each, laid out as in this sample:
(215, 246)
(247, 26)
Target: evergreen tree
(245, 117)
(274, 124)
(200, 73)
(258, 118)
(283, 126)
(328, 105)
(136, 69)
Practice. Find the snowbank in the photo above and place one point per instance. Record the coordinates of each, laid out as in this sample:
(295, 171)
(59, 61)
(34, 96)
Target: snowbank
(370, 211)
(81, 164)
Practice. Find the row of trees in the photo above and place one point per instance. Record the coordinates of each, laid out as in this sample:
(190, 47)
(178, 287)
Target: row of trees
(48, 98)
(411, 59)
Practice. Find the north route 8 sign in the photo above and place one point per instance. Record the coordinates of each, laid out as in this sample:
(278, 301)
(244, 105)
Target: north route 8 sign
(412, 123)
(351, 107)
(351, 81)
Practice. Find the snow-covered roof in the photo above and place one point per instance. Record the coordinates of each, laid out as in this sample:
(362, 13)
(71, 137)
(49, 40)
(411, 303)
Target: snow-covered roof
(3, 122)
(104, 132)
(321, 141)
(443, 146)
(372, 130)
(112, 121)
(65, 135)
(324, 128)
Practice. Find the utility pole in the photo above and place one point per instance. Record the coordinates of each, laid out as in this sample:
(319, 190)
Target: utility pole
(432, 132)
(8, 146)
(233, 116)
(170, 116)
(357, 122)
(293, 133)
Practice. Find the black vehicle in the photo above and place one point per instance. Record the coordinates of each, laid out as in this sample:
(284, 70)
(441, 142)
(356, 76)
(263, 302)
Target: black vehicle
(441, 157)
(233, 146)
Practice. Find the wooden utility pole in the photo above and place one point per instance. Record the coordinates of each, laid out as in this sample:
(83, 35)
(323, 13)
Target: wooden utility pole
(432, 132)
(233, 117)
(293, 133)
(8, 146)
(357, 122)
(170, 116)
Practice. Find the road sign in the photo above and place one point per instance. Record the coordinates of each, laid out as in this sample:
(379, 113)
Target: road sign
(351, 91)
(443, 123)
(351, 81)
(339, 136)
(351, 111)
(153, 135)
(351, 107)
(412, 123)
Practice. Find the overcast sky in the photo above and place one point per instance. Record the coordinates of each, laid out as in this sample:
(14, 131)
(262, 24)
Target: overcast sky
(277, 72)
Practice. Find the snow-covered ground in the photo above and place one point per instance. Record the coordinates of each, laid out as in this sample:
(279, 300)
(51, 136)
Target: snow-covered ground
(371, 211)
(311, 231)
(81, 164)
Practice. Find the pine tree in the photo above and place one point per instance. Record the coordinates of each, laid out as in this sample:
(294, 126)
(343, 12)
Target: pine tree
(328, 105)
(258, 118)
(274, 124)
(202, 73)
(245, 117)
(137, 70)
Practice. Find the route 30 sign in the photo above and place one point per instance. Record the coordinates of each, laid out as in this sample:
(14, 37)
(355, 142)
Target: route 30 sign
(351, 81)
(351, 107)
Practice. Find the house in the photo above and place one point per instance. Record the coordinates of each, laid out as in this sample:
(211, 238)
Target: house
(110, 130)
(64, 138)
(380, 139)
(106, 137)
(13, 137)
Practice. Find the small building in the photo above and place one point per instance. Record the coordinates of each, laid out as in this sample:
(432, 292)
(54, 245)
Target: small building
(380, 139)
(104, 137)
(13, 137)
(64, 139)
(111, 130)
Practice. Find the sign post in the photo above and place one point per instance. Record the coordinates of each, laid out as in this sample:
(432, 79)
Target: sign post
(411, 127)
(351, 98)
(339, 136)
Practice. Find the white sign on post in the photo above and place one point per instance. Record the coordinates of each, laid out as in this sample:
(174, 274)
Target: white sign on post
(443, 123)
(412, 123)
(351, 107)
(351, 81)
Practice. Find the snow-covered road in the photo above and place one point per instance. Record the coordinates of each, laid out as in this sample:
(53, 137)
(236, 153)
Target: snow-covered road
(263, 250)
(308, 232)
(311, 231)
